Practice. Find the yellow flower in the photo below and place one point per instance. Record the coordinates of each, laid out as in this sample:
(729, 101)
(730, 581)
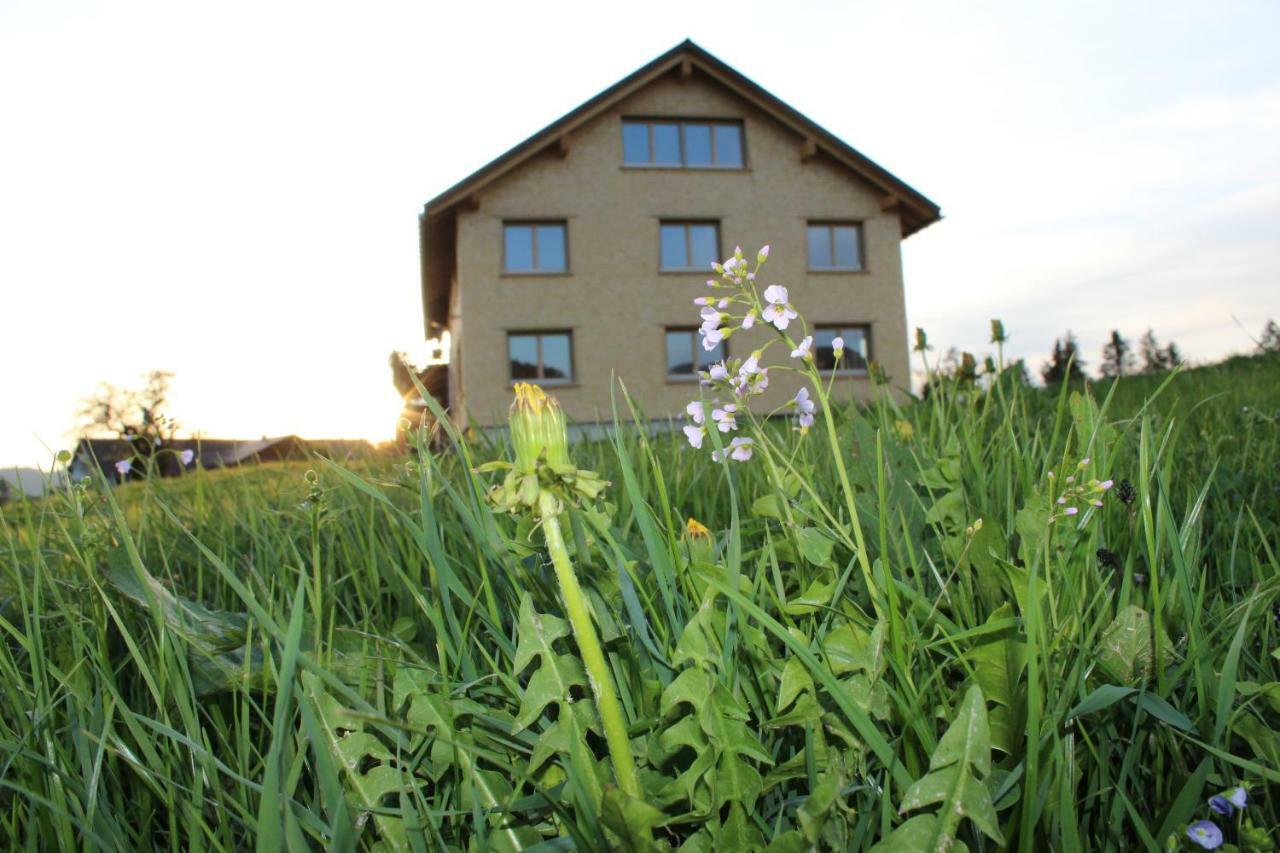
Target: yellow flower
(904, 430)
(697, 529)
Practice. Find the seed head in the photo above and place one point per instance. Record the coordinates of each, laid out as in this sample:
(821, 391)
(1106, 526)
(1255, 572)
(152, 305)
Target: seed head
(1125, 492)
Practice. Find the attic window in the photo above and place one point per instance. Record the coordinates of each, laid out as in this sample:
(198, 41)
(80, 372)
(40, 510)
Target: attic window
(682, 144)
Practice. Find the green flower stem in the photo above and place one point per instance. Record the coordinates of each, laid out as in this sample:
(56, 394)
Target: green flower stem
(615, 727)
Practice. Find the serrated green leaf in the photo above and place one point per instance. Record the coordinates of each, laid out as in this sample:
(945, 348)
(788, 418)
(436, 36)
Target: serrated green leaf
(956, 779)
(631, 821)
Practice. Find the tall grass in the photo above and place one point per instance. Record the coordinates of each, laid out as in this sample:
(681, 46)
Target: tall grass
(377, 660)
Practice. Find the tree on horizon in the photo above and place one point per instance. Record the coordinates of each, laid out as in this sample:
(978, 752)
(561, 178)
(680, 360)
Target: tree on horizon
(1117, 356)
(1064, 364)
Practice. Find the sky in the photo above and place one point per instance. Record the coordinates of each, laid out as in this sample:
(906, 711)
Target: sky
(230, 191)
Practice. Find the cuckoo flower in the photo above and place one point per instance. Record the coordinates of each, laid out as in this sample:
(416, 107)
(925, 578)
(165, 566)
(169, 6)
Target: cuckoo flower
(187, 456)
(803, 350)
(725, 417)
(805, 407)
(124, 466)
(738, 449)
(837, 347)
(695, 435)
(778, 311)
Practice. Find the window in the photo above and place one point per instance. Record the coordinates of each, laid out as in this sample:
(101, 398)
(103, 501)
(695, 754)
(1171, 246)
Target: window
(534, 247)
(541, 356)
(686, 355)
(835, 246)
(687, 246)
(679, 144)
(857, 348)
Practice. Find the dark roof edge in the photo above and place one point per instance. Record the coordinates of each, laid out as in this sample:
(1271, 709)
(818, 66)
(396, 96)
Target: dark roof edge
(926, 211)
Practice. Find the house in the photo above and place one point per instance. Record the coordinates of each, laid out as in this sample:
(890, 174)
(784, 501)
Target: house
(577, 254)
(104, 453)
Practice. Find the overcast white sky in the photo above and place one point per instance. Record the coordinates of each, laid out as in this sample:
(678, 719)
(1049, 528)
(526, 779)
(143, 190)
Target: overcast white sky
(230, 191)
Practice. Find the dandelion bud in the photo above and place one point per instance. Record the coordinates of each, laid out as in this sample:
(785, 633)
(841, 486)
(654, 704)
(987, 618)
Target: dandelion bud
(922, 340)
(700, 542)
(537, 429)
(997, 332)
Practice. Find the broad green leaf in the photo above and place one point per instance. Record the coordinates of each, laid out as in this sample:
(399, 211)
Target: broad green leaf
(956, 779)
(1126, 648)
(817, 596)
(815, 546)
(998, 659)
(767, 506)
(630, 820)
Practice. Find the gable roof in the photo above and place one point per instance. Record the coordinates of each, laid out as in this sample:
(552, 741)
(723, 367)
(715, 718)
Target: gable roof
(915, 210)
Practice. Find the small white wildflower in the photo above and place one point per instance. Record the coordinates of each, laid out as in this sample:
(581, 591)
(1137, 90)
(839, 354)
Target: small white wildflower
(695, 434)
(711, 338)
(749, 320)
(187, 456)
(124, 466)
(695, 412)
(802, 351)
(778, 312)
(719, 372)
(805, 406)
(725, 417)
(837, 346)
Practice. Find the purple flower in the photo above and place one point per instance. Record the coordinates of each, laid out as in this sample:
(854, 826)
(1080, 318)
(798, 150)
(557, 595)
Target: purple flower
(187, 456)
(1221, 805)
(1106, 484)
(1071, 510)
(695, 434)
(695, 412)
(764, 253)
(1237, 796)
(1206, 834)
(124, 466)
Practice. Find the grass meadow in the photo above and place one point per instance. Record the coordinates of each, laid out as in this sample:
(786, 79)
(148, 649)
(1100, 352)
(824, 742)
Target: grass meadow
(918, 649)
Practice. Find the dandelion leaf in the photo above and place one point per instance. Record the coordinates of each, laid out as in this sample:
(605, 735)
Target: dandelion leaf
(631, 821)
(957, 781)
(998, 660)
(369, 771)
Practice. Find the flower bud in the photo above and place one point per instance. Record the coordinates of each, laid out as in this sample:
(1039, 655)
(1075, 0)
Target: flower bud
(997, 332)
(701, 543)
(922, 340)
(537, 429)
(763, 254)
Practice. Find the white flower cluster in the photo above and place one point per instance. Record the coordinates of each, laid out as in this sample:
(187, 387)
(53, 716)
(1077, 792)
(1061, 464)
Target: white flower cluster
(740, 306)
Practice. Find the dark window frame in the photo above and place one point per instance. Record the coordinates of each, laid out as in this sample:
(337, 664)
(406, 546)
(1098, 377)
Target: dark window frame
(688, 244)
(535, 224)
(714, 123)
(695, 350)
(840, 329)
(541, 379)
(830, 225)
